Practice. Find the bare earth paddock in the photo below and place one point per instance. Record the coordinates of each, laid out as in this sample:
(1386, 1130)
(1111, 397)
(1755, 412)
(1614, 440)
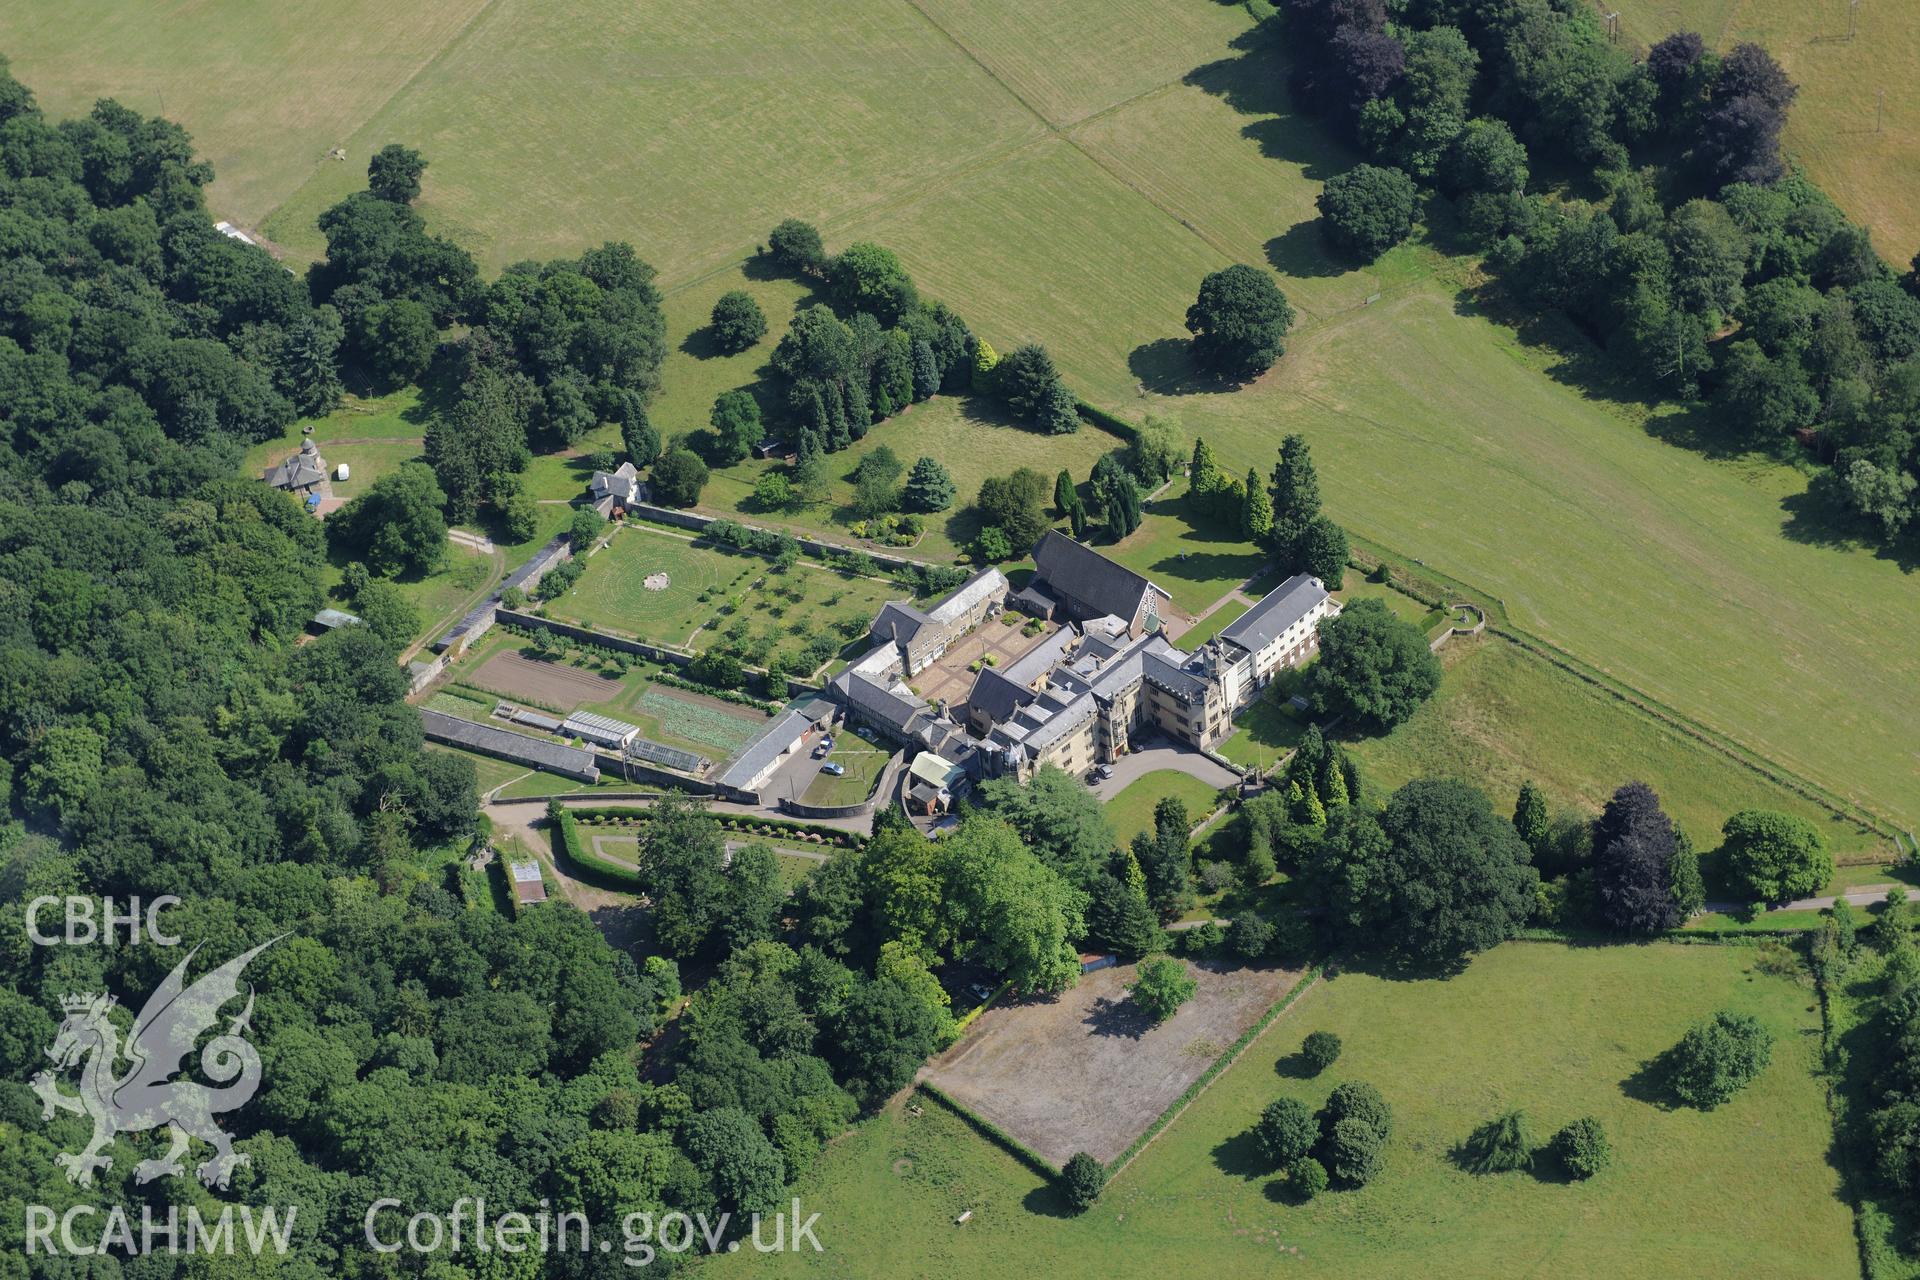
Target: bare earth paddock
(1086, 1072)
(553, 684)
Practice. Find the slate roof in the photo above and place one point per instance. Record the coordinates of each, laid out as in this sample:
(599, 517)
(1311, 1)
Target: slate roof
(1088, 577)
(996, 696)
(1034, 600)
(303, 469)
(544, 753)
(981, 586)
(898, 623)
(1033, 664)
(623, 482)
(877, 702)
(1169, 672)
(1279, 609)
(772, 743)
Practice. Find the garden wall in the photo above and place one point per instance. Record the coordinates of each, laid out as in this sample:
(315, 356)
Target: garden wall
(586, 635)
(813, 546)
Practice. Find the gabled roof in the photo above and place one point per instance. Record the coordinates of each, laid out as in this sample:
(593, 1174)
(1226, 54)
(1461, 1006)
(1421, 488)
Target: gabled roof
(1279, 609)
(774, 741)
(1033, 664)
(931, 767)
(995, 696)
(1089, 577)
(898, 623)
(877, 702)
(621, 482)
(304, 468)
(1165, 669)
(984, 585)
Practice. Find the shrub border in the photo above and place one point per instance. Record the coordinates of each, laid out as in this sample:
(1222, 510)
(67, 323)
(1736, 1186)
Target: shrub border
(738, 823)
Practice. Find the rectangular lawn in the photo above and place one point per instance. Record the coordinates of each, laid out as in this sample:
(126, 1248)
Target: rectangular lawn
(1195, 558)
(613, 593)
(1131, 811)
(1503, 716)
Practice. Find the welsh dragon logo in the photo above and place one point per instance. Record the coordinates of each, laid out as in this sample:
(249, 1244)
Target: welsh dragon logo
(144, 1096)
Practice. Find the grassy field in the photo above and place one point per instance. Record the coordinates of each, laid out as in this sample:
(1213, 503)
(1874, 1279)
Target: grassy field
(1266, 732)
(1863, 150)
(1131, 812)
(1402, 604)
(266, 90)
(1560, 1032)
(1503, 716)
(633, 108)
(1079, 201)
(711, 595)
(372, 435)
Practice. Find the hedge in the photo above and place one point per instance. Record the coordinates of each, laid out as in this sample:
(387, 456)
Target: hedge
(725, 695)
(961, 1026)
(993, 1133)
(737, 822)
(1111, 423)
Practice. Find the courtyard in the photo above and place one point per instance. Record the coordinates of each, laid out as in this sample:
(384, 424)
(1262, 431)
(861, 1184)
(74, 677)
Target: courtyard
(950, 678)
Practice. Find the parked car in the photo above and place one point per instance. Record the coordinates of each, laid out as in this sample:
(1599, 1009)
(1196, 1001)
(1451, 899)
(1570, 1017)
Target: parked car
(821, 749)
(980, 991)
(1104, 772)
(833, 768)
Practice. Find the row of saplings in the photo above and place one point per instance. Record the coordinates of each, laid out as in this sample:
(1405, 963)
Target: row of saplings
(1344, 1143)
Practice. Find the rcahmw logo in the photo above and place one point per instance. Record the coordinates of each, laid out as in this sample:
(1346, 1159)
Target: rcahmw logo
(128, 1086)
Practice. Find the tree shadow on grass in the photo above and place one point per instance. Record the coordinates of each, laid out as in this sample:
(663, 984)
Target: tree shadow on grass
(1302, 253)
(1124, 1018)
(1820, 517)
(1394, 968)
(1295, 1066)
(1046, 1201)
(701, 344)
(1165, 366)
(1282, 1191)
(1254, 83)
(1240, 1157)
(1652, 1084)
(1208, 566)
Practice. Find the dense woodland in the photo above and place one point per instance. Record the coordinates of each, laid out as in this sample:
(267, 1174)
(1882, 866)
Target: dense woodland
(1646, 200)
(165, 734)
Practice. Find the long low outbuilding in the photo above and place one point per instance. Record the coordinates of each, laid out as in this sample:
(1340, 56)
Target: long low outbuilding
(504, 744)
(602, 731)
